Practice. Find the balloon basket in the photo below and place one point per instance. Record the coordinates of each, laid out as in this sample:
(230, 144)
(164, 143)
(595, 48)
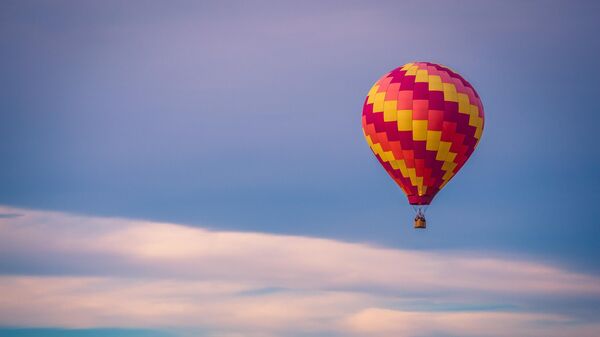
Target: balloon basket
(420, 223)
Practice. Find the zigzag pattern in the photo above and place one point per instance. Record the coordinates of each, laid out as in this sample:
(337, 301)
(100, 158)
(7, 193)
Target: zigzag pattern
(422, 121)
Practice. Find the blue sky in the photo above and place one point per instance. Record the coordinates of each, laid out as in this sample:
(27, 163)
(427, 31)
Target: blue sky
(245, 117)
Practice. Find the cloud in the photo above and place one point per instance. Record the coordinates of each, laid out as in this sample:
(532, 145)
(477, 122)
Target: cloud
(385, 322)
(106, 272)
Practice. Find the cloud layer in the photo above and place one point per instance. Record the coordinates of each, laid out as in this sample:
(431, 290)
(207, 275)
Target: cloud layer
(73, 271)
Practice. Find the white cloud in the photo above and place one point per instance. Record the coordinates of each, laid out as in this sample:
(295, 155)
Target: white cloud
(132, 273)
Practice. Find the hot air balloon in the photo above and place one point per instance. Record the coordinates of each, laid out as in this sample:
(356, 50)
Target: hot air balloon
(422, 121)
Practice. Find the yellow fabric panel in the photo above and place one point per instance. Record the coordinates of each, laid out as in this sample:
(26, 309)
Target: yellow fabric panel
(443, 150)
(448, 165)
(420, 188)
(475, 120)
(405, 120)
(376, 147)
(412, 174)
(389, 156)
(433, 140)
(450, 94)
(479, 123)
(403, 168)
(422, 76)
(419, 130)
(389, 111)
(448, 175)
(435, 83)
(478, 133)
(372, 92)
(449, 168)
(412, 71)
(399, 164)
(369, 140)
(463, 104)
(378, 150)
(407, 66)
(378, 102)
(451, 156)
(473, 110)
(386, 156)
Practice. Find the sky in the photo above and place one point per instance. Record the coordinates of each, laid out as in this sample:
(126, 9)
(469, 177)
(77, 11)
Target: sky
(175, 168)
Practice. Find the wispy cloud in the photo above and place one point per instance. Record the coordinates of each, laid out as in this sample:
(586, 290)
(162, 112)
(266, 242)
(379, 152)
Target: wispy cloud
(9, 215)
(117, 272)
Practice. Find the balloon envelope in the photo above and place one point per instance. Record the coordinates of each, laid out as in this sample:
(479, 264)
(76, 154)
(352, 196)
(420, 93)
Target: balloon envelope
(422, 122)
